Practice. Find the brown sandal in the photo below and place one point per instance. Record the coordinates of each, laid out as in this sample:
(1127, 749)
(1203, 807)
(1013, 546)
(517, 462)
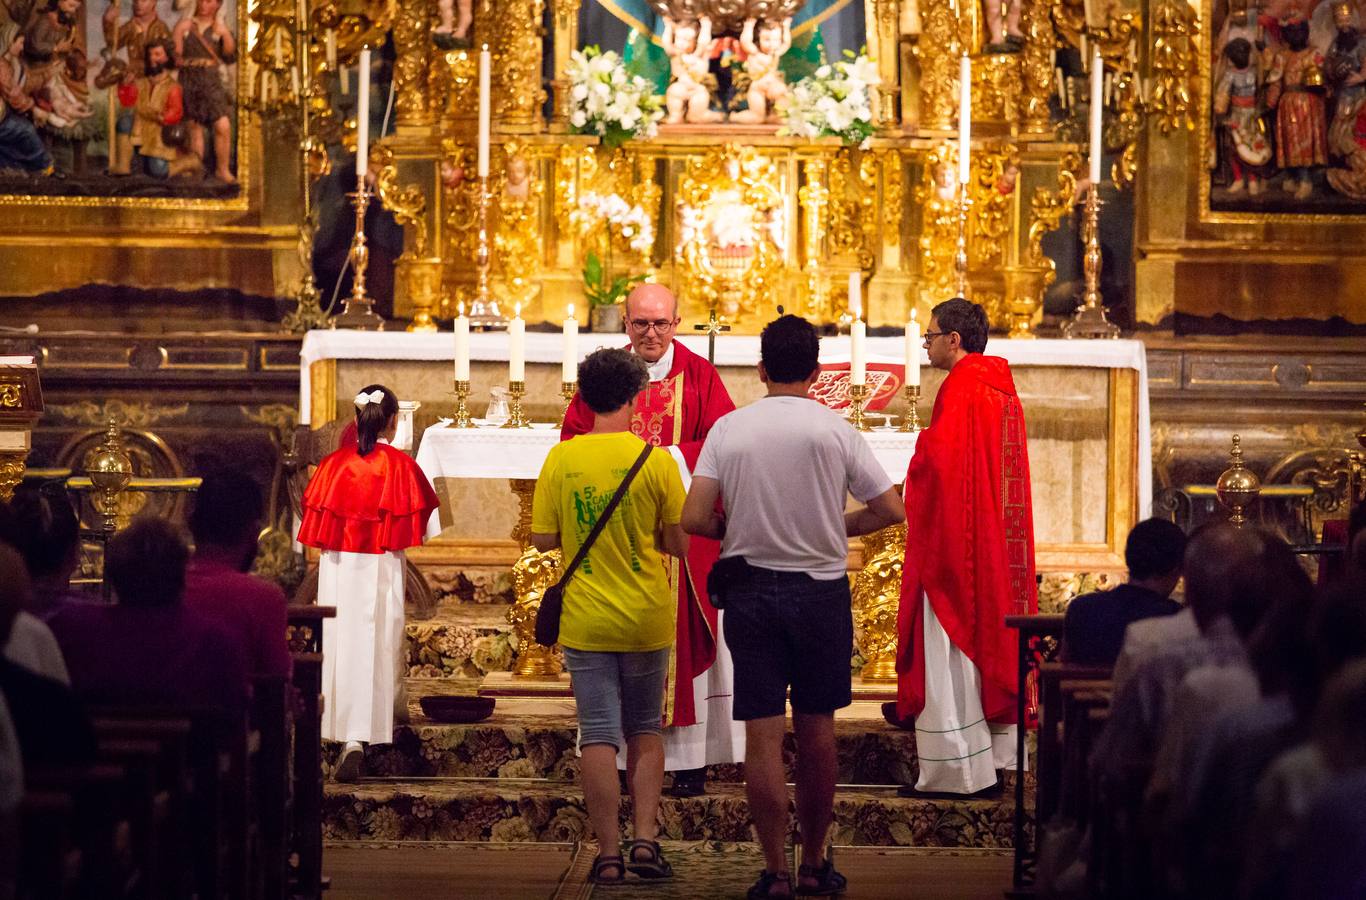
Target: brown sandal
(608, 862)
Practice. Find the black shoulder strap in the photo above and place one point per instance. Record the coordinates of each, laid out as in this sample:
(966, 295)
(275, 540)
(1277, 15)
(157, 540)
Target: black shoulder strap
(606, 514)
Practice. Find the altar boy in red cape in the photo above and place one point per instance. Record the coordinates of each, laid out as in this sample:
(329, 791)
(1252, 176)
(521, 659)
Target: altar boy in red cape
(969, 563)
(684, 398)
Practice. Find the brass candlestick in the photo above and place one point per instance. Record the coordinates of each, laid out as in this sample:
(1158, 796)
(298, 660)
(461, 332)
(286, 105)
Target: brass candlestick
(567, 391)
(110, 471)
(858, 396)
(516, 417)
(359, 310)
(911, 421)
(462, 412)
(960, 252)
(1089, 320)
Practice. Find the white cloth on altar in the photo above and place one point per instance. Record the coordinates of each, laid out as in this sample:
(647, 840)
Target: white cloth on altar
(363, 645)
(958, 750)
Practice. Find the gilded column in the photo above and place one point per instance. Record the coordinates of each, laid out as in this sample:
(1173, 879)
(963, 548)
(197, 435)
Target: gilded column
(412, 46)
(1036, 68)
(883, 39)
(566, 42)
(939, 48)
(517, 65)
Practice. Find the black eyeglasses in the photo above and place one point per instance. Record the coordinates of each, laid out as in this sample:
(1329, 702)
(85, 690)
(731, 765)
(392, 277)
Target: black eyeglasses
(659, 325)
(931, 335)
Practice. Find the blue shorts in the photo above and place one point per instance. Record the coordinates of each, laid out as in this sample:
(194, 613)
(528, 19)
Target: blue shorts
(787, 629)
(618, 695)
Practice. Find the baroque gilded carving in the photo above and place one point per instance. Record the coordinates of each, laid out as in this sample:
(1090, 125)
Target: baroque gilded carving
(1174, 63)
(853, 206)
(517, 240)
(11, 472)
(517, 68)
(408, 204)
(876, 596)
(938, 49)
(814, 196)
(412, 47)
(1036, 68)
(936, 195)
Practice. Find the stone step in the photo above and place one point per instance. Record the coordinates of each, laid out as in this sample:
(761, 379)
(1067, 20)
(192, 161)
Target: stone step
(536, 739)
(536, 810)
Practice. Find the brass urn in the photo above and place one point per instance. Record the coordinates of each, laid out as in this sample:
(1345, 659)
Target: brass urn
(110, 470)
(1238, 486)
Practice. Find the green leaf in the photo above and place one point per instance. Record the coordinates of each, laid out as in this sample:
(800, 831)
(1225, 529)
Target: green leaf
(592, 270)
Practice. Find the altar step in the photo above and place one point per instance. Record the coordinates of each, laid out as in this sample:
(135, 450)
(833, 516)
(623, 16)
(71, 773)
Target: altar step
(514, 810)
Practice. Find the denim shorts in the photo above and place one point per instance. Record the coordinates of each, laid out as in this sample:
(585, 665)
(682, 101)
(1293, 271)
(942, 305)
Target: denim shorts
(618, 695)
(789, 629)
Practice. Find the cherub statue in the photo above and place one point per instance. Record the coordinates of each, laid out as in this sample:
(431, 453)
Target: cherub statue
(766, 84)
(517, 186)
(689, 47)
(452, 31)
(1003, 26)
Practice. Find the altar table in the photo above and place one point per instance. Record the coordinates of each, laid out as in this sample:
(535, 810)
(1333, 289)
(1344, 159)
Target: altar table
(1085, 403)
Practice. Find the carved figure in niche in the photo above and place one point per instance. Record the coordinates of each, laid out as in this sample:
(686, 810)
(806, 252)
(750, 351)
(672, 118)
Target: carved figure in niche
(1295, 91)
(766, 84)
(690, 48)
(157, 106)
(131, 37)
(21, 147)
(453, 30)
(518, 182)
(1346, 69)
(203, 48)
(945, 181)
(1244, 150)
(1003, 26)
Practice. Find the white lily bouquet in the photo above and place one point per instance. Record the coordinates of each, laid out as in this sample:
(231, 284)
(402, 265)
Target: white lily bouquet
(608, 101)
(632, 223)
(834, 101)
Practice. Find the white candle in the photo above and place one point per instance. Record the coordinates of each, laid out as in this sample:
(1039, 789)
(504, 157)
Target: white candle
(1062, 88)
(294, 79)
(344, 80)
(331, 48)
(362, 117)
(462, 345)
(913, 341)
(517, 346)
(1097, 105)
(858, 368)
(855, 295)
(265, 86)
(569, 367)
(964, 119)
(279, 49)
(485, 64)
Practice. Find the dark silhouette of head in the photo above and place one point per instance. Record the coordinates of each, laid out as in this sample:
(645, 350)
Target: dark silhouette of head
(790, 350)
(610, 379)
(145, 563)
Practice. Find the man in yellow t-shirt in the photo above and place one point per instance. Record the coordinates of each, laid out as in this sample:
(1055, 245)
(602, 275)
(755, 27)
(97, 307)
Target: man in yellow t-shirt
(617, 625)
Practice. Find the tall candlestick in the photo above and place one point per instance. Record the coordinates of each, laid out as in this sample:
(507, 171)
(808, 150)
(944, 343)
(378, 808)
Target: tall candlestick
(362, 117)
(462, 345)
(1097, 106)
(858, 367)
(485, 64)
(517, 346)
(964, 118)
(569, 366)
(856, 295)
(913, 341)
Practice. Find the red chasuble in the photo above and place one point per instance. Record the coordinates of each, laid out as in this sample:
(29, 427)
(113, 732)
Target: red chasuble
(970, 534)
(679, 411)
(367, 504)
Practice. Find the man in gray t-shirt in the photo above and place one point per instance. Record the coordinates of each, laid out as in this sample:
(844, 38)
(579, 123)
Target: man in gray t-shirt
(785, 466)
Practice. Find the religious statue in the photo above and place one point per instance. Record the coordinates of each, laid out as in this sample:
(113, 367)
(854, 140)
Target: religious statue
(690, 48)
(1244, 151)
(516, 240)
(453, 31)
(1003, 26)
(1295, 91)
(131, 37)
(1346, 69)
(766, 84)
(204, 48)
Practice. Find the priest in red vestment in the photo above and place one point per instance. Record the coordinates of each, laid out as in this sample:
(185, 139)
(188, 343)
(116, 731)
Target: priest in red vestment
(684, 398)
(969, 563)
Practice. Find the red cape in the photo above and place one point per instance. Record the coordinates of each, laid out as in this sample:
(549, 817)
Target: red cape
(667, 416)
(969, 533)
(367, 504)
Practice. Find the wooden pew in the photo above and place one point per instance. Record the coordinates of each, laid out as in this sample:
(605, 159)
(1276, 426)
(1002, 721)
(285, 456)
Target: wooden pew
(306, 839)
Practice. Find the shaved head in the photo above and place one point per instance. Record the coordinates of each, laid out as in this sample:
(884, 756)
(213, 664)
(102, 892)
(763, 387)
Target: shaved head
(651, 318)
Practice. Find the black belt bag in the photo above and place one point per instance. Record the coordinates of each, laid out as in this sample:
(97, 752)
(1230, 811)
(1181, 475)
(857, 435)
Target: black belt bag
(726, 575)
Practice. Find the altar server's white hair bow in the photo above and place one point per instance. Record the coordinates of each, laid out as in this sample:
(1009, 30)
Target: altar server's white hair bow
(363, 399)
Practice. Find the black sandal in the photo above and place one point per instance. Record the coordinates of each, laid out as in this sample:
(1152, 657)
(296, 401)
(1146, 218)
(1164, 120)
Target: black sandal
(653, 866)
(764, 886)
(828, 881)
(608, 862)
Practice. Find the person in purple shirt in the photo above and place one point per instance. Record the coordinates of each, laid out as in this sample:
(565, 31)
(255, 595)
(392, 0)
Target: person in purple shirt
(48, 536)
(149, 648)
(226, 523)
(1093, 629)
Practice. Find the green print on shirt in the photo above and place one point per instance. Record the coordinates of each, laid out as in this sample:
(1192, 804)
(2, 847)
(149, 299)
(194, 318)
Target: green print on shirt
(588, 505)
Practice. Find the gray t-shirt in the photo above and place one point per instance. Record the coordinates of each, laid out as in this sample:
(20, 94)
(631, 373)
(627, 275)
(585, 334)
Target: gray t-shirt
(785, 466)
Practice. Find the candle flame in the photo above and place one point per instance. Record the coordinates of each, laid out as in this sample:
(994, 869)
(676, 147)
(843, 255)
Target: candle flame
(571, 310)
(461, 308)
(913, 314)
(517, 311)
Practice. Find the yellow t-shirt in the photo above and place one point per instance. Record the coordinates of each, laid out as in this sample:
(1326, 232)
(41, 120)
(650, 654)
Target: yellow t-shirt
(619, 600)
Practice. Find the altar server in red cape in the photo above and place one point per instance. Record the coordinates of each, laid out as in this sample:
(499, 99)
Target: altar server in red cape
(365, 505)
(969, 563)
(684, 398)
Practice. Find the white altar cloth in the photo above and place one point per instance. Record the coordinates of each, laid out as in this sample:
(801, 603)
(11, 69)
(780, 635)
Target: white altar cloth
(733, 350)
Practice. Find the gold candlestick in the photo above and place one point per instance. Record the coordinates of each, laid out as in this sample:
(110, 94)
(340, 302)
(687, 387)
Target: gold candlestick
(567, 390)
(1089, 320)
(462, 412)
(911, 421)
(960, 253)
(858, 396)
(484, 311)
(516, 417)
(359, 310)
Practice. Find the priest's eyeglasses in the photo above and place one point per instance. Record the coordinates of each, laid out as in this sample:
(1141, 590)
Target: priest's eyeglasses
(931, 335)
(660, 326)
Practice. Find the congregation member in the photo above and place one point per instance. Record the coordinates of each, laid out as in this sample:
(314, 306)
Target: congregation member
(1094, 625)
(676, 410)
(226, 524)
(969, 563)
(48, 535)
(783, 468)
(617, 626)
(149, 648)
(364, 506)
(31, 643)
